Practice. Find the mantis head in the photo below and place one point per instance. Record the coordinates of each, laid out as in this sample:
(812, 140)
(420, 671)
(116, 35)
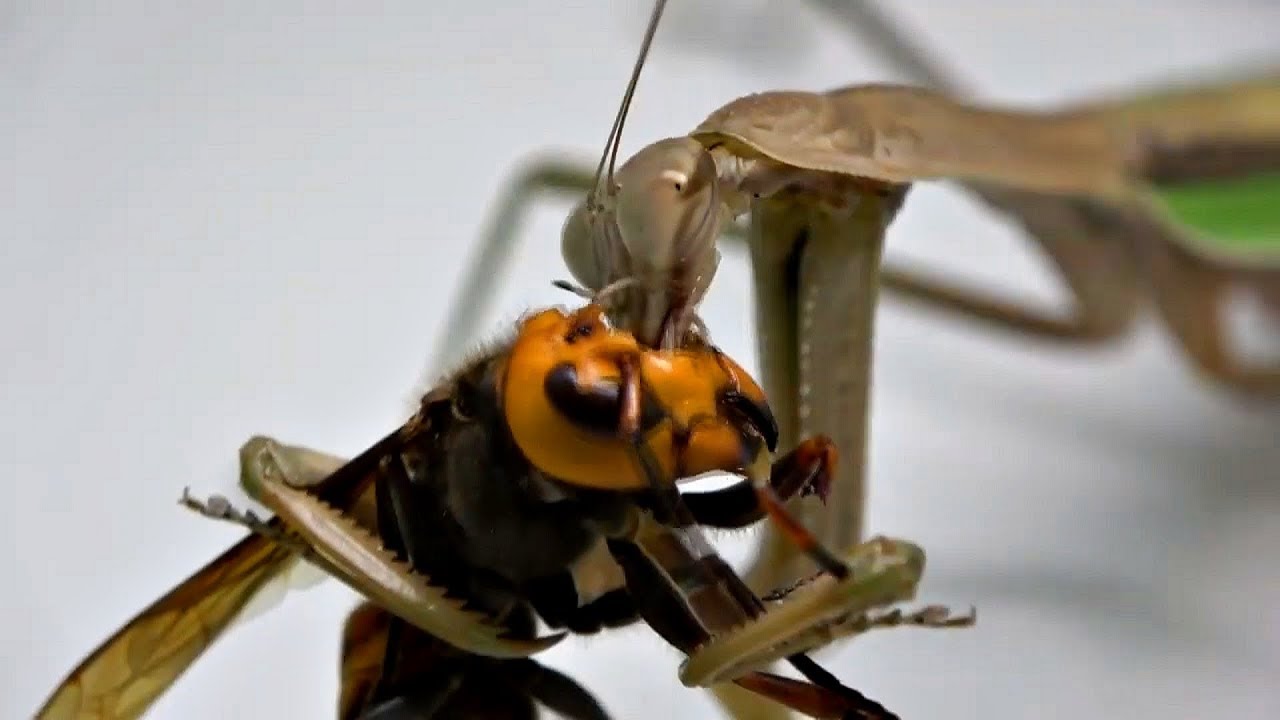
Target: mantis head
(653, 227)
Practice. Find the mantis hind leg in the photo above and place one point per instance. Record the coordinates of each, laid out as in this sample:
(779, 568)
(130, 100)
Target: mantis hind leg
(1089, 250)
(1087, 247)
(1194, 296)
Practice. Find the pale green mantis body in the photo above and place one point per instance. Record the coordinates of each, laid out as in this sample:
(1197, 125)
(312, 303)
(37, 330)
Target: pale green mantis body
(1168, 196)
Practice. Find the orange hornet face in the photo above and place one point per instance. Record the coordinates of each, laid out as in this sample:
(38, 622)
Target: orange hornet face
(564, 399)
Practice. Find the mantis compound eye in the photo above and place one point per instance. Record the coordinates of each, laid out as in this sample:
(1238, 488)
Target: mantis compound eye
(669, 214)
(667, 207)
(578, 248)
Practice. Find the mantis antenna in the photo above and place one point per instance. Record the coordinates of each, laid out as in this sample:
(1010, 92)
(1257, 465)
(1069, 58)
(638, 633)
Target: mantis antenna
(610, 153)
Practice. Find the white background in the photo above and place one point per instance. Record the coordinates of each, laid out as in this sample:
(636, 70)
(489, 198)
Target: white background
(241, 217)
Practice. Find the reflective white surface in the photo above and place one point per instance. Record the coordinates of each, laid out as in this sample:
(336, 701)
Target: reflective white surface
(239, 218)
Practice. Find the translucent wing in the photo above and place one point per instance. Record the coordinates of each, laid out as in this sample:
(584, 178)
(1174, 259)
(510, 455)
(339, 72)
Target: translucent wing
(132, 668)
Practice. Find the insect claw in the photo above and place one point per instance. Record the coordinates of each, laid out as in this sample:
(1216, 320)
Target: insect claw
(215, 507)
(358, 557)
(818, 483)
(779, 594)
(813, 613)
(218, 507)
(930, 616)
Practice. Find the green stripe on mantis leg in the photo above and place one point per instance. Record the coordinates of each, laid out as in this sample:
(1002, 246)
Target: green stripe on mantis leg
(1239, 215)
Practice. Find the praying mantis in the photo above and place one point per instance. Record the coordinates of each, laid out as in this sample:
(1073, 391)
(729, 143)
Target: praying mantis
(167, 496)
(1169, 196)
(410, 524)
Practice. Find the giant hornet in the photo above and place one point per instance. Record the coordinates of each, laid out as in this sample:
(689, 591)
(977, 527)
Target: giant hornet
(539, 481)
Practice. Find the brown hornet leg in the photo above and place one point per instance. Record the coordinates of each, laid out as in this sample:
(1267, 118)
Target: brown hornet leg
(811, 464)
(691, 593)
(1192, 295)
(739, 506)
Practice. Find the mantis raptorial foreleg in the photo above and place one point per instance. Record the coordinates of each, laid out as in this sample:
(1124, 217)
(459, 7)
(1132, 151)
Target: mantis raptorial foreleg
(349, 549)
(217, 507)
(133, 667)
(881, 572)
(815, 272)
(263, 459)
(839, 603)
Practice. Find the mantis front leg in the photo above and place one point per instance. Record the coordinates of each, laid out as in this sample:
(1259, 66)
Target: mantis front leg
(129, 671)
(816, 275)
(265, 460)
(336, 525)
(815, 613)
